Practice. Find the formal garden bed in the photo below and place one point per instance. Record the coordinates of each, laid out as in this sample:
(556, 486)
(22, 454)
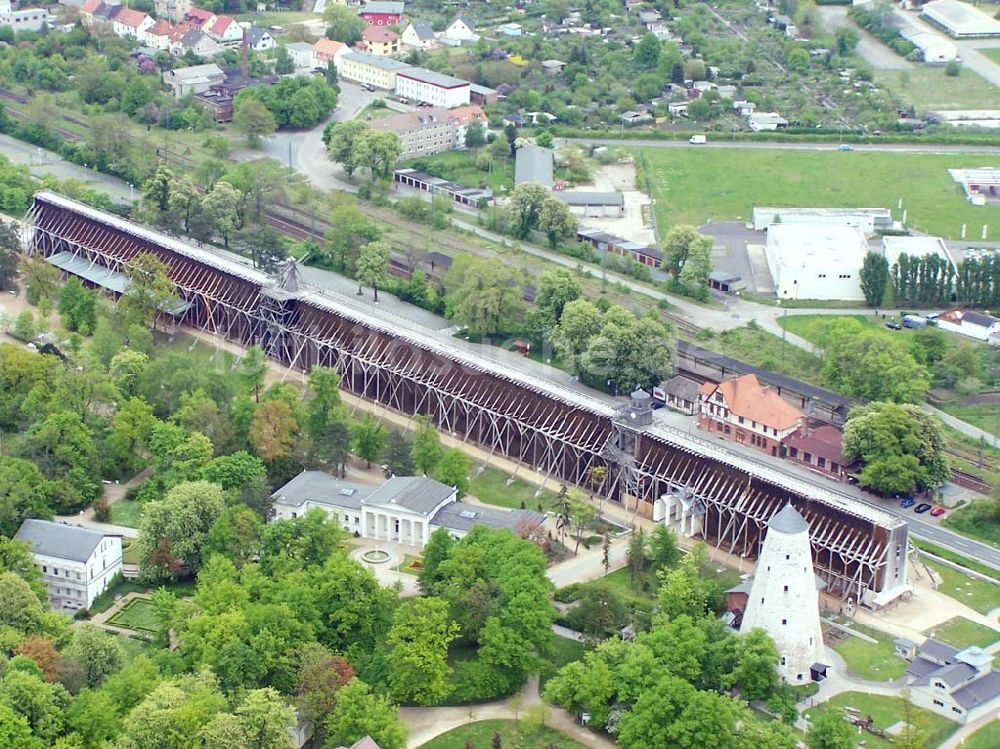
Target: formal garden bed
(513, 733)
(137, 615)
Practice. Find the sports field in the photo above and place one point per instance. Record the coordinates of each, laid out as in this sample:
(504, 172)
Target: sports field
(697, 185)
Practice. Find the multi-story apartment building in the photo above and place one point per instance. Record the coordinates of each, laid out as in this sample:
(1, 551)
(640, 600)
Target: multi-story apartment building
(431, 87)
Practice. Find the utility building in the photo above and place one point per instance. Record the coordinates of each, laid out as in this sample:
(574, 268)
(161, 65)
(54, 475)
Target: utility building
(783, 596)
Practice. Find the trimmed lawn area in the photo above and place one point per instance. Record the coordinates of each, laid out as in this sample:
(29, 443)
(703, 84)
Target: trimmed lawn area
(103, 602)
(987, 737)
(491, 487)
(138, 615)
(132, 646)
(994, 54)
(693, 186)
(512, 734)
(564, 650)
(887, 711)
(126, 512)
(974, 593)
(927, 87)
(460, 167)
(961, 633)
(874, 662)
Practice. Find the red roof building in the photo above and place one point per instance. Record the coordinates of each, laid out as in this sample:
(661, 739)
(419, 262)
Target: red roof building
(746, 412)
(819, 448)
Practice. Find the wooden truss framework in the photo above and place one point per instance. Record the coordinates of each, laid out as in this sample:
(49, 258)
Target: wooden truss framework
(476, 404)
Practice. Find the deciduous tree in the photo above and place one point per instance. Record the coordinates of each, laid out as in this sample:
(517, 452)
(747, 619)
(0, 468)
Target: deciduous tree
(253, 120)
(373, 265)
(557, 221)
(426, 451)
(360, 713)
(342, 141)
(368, 439)
(453, 469)
(149, 291)
(418, 644)
(222, 205)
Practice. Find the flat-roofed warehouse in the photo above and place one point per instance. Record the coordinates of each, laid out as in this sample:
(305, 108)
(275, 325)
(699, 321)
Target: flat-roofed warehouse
(816, 261)
(960, 20)
(869, 220)
(893, 247)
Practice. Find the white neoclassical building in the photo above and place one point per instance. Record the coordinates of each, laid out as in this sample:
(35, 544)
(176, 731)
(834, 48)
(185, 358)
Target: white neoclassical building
(405, 509)
(783, 597)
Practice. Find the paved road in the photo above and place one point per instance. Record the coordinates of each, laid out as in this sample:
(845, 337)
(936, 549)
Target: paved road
(870, 48)
(41, 162)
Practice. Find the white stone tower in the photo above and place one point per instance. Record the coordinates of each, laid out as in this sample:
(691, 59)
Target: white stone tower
(784, 597)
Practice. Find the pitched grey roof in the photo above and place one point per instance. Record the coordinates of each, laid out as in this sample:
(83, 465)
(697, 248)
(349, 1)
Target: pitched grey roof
(434, 78)
(322, 488)
(586, 197)
(682, 387)
(255, 34)
(979, 692)
(423, 30)
(59, 539)
(921, 667)
(743, 587)
(977, 318)
(953, 675)
(938, 651)
(383, 6)
(533, 164)
(418, 494)
(458, 516)
(788, 520)
(386, 63)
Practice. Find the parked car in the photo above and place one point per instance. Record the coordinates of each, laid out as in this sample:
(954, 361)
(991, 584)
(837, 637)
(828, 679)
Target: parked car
(893, 325)
(907, 502)
(937, 511)
(698, 140)
(845, 147)
(922, 507)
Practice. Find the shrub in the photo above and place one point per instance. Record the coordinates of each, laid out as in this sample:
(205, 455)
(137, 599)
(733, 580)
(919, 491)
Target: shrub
(953, 68)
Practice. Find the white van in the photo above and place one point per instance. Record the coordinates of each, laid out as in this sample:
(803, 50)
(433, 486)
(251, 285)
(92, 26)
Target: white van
(698, 140)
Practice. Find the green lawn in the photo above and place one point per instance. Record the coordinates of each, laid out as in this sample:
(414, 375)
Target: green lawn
(951, 556)
(961, 633)
(564, 650)
(693, 186)
(887, 711)
(874, 662)
(969, 521)
(928, 87)
(103, 602)
(460, 167)
(987, 737)
(491, 487)
(982, 415)
(762, 349)
(126, 512)
(977, 594)
(512, 735)
(138, 615)
(133, 646)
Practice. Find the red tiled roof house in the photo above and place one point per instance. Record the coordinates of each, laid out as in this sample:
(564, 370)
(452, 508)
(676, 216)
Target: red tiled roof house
(746, 412)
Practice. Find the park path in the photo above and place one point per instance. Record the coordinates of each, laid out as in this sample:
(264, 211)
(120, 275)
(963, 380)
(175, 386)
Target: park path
(424, 723)
(101, 620)
(113, 492)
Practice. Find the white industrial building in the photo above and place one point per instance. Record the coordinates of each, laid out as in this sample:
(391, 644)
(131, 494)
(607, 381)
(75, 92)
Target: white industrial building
(869, 220)
(816, 261)
(936, 49)
(77, 564)
(23, 19)
(783, 597)
(431, 87)
(960, 20)
(405, 509)
(960, 685)
(893, 247)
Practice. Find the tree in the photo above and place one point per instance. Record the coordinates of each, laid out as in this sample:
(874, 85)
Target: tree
(324, 387)
(526, 201)
(321, 676)
(798, 60)
(359, 713)
(93, 717)
(135, 96)
(235, 471)
(261, 721)
(173, 714)
(398, 454)
(483, 295)
(847, 39)
(874, 278)
(125, 369)
(16, 557)
(343, 25)
(185, 204)
(557, 288)
(683, 591)
(663, 549)
(148, 292)
(860, 362)
(379, 151)
(418, 650)
(273, 431)
(97, 653)
(353, 231)
(265, 247)
(557, 221)
(10, 247)
(545, 139)
(43, 652)
(156, 190)
(253, 120)
(373, 265)
(40, 280)
(579, 322)
(829, 730)
(181, 520)
(77, 306)
(15, 732)
(222, 204)
(756, 674)
(953, 69)
(901, 445)
(342, 141)
(914, 733)
(24, 326)
(42, 704)
(636, 555)
(475, 134)
(647, 51)
(629, 351)
(24, 493)
(453, 469)
(235, 535)
(426, 451)
(600, 614)
(368, 439)
(438, 549)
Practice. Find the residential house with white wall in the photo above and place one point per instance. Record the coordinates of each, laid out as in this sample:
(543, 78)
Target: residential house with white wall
(960, 685)
(431, 87)
(982, 327)
(77, 564)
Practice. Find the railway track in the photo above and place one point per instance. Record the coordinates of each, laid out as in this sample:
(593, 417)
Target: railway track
(968, 481)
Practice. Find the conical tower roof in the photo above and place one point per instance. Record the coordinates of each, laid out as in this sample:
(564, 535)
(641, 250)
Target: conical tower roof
(289, 279)
(788, 520)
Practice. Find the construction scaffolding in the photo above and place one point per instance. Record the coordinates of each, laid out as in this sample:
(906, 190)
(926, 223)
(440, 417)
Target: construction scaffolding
(700, 487)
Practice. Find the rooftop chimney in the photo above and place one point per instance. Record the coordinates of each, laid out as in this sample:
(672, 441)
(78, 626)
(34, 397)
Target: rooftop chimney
(245, 55)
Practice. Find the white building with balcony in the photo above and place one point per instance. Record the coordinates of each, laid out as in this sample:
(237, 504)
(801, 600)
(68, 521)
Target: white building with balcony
(77, 563)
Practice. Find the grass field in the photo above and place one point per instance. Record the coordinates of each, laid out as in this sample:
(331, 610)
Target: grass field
(460, 167)
(962, 633)
(887, 711)
(132, 646)
(694, 186)
(512, 734)
(138, 615)
(976, 594)
(126, 512)
(564, 650)
(491, 487)
(927, 87)
(968, 520)
(762, 349)
(874, 662)
(987, 737)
